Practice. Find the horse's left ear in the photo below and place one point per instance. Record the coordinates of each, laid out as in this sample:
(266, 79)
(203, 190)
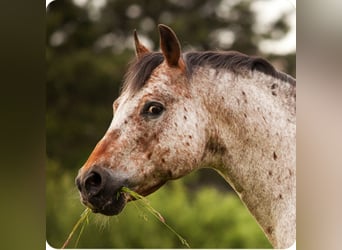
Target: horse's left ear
(140, 49)
(170, 46)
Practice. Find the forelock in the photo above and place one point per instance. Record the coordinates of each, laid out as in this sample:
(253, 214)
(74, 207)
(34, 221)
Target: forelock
(140, 70)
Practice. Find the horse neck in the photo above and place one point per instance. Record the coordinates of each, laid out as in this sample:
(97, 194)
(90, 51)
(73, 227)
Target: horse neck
(251, 142)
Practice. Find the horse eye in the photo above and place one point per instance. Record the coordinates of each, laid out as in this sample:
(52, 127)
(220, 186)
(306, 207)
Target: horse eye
(153, 109)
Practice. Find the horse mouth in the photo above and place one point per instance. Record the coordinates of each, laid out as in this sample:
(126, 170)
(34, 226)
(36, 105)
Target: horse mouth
(113, 204)
(107, 205)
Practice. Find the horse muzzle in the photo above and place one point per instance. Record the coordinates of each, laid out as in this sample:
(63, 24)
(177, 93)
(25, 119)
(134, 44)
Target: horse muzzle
(100, 190)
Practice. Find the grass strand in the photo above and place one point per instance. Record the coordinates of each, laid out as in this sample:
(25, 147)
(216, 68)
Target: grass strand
(155, 213)
(83, 218)
(144, 202)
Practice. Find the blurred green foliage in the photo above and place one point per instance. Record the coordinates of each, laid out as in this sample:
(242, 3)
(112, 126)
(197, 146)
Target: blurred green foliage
(87, 52)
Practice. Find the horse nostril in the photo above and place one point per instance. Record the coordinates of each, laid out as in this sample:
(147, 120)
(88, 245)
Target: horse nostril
(93, 183)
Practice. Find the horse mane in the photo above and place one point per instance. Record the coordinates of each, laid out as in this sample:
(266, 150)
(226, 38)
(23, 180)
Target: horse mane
(141, 69)
(234, 61)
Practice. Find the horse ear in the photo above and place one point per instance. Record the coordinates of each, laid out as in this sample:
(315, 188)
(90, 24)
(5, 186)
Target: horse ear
(170, 46)
(140, 49)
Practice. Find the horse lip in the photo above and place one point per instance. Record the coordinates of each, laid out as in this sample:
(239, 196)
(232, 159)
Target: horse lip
(113, 207)
(107, 206)
(115, 203)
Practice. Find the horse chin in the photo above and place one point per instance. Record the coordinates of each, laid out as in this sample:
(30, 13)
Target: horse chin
(152, 189)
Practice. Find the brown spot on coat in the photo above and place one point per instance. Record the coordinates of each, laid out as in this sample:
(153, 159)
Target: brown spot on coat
(290, 172)
(275, 157)
(215, 147)
(269, 230)
(244, 96)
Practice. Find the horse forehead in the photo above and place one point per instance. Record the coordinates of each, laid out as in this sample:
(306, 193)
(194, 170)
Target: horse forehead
(161, 83)
(125, 106)
(160, 74)
(168, 82)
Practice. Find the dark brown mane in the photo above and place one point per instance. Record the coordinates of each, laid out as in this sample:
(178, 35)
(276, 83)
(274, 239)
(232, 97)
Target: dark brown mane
(233, 61)
(140, 70)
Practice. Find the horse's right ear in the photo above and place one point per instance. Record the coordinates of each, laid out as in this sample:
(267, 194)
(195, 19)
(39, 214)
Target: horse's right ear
(170, 47)
(140, 49)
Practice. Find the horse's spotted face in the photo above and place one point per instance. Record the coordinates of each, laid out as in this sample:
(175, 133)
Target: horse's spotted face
(155, 135)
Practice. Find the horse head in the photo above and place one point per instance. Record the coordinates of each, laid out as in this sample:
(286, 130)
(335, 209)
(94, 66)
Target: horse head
(157, 132)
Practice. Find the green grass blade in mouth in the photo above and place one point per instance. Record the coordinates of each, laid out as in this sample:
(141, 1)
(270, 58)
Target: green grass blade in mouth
(82, 220)
(145, 203)
(154, 212)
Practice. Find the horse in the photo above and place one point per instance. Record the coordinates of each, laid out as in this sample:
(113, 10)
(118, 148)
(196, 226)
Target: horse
(178, 112)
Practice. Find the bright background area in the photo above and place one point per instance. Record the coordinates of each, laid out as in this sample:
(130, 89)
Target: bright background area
(267, 12)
